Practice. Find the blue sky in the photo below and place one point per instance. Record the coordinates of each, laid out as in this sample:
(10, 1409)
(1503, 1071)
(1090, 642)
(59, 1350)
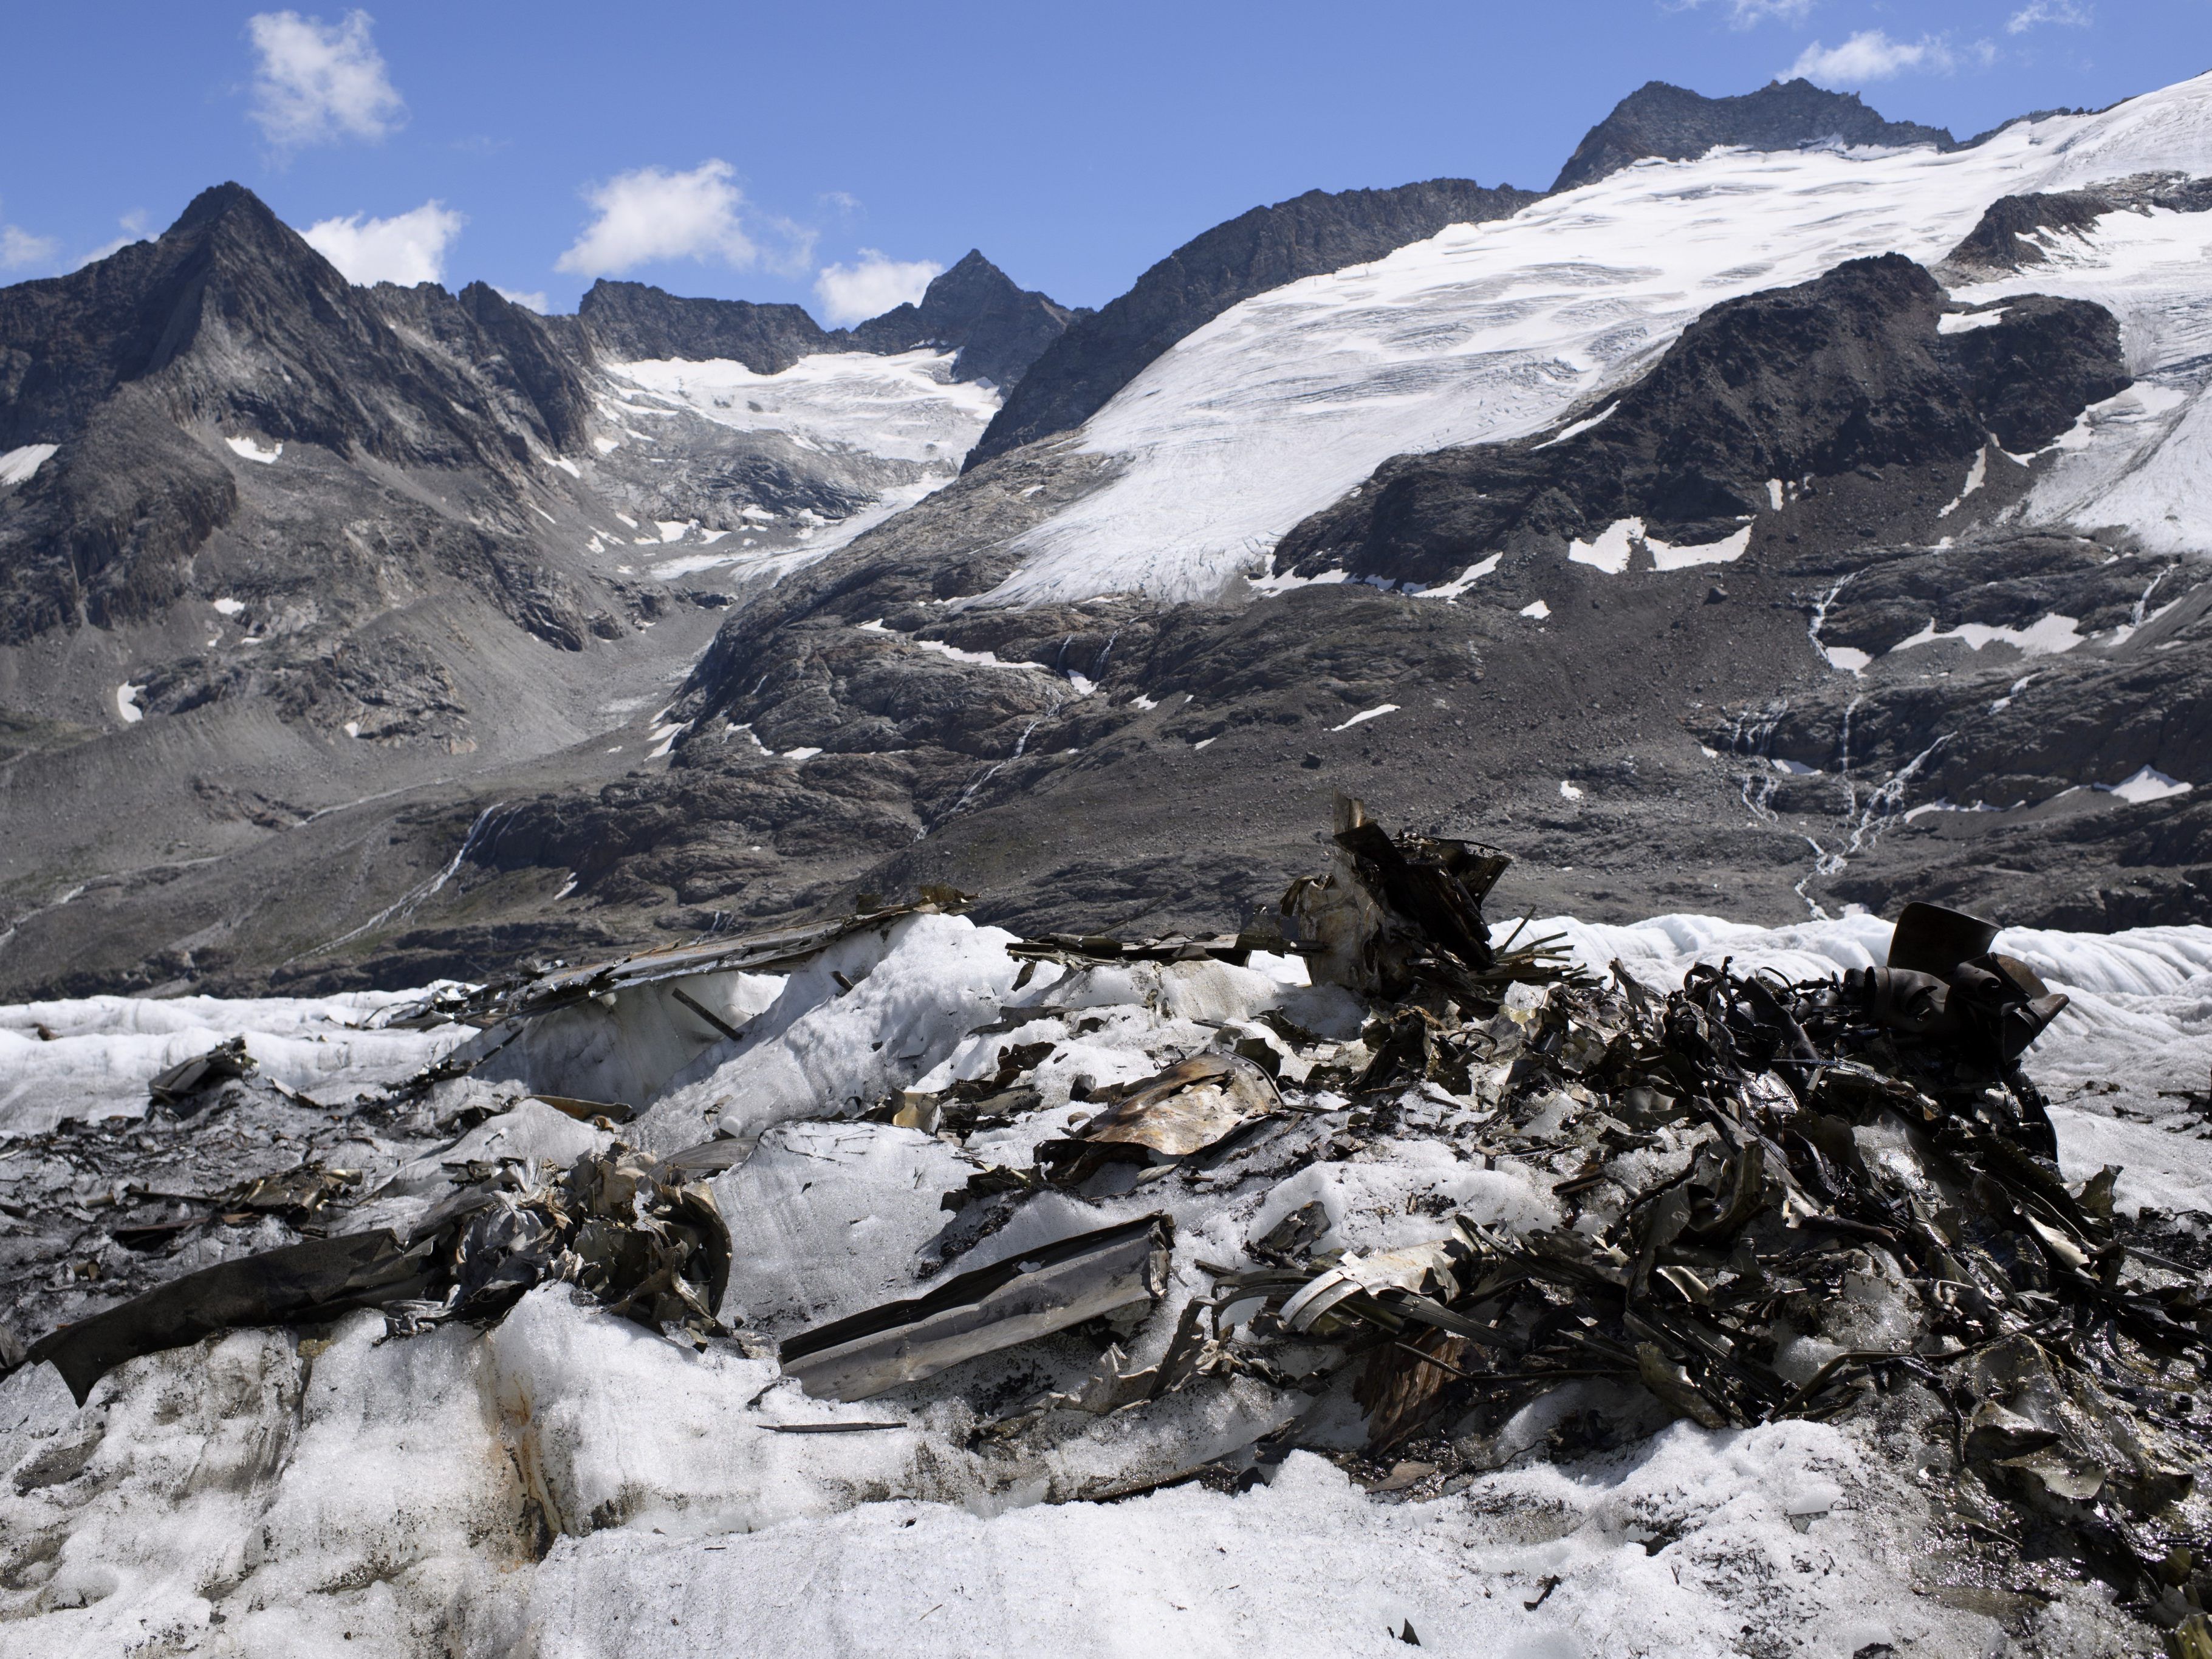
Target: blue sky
(834, 152)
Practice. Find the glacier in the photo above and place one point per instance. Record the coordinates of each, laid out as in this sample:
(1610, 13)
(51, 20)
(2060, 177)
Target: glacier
(1500, 330)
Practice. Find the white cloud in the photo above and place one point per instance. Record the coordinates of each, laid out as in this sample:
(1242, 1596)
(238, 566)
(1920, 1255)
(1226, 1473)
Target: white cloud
(1746, 14)
(407, 248)
(653, 213)
(1870, 55)
(134, 230)
(18, 248)
(852, 293)
(317, 82)
(531, 300)
(2067, 12)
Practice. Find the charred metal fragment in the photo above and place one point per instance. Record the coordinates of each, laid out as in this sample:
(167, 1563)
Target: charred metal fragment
(981, 1311)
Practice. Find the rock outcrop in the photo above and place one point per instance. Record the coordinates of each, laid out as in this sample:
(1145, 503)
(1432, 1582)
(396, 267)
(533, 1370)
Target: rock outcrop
(1760, 396)
(997, 329)
(1671, 122)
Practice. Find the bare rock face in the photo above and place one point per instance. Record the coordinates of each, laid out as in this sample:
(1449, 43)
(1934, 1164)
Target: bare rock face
(1846, 372)
(1676, 123)
(630, 321)
(997, 329)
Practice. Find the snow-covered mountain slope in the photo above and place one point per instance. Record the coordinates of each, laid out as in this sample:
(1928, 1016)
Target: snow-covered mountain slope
(1264, 248)
(332, 545)
(2139, 461)
(1499, 330)
(759, 474)
(906, 408)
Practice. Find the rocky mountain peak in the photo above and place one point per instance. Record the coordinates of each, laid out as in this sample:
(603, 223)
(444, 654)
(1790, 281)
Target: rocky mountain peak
(1661, 119)
(217, 204)
(998, 328)
(77, 338)
(973, 271)
(636, 321)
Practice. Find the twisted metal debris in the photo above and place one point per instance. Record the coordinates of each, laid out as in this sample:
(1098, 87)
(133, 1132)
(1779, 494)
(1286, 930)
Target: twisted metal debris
(1776, 1199)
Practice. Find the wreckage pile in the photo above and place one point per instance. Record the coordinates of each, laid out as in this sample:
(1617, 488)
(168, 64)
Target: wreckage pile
(622, 1229)
(1747, 1201)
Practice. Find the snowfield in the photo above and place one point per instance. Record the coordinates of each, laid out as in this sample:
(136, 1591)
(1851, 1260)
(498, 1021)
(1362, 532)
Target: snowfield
(90, 1057)
(851, 406)
(1493, 331)
(905, 407)
(567, 1483)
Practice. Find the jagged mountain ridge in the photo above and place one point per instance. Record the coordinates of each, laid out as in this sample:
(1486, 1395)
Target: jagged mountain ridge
(908, 710)
(1676, 125)
(995, 329)
(270, 542)
(638, 320)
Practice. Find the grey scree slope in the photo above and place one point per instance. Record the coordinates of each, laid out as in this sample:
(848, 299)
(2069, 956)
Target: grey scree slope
(498, 823)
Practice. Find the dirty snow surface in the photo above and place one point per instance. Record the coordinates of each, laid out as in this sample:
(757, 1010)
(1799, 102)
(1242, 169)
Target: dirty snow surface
(90, 1057)
(1499, 330)
(566, 1482)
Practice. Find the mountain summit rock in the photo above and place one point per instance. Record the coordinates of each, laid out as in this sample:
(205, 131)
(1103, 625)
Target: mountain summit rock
(636, 321)
(1661, 119)
(975, 309)
(998, 330)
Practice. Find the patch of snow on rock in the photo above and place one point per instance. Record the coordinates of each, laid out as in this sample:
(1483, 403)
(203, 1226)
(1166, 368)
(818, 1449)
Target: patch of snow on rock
(18, 464)
(2043, 637)
(2147, 783)
(1376, 712)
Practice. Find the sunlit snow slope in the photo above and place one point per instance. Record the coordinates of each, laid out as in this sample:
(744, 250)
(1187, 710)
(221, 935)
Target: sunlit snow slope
(1495, 331)
(2140, 459)
(907, 407)
(896, 427)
